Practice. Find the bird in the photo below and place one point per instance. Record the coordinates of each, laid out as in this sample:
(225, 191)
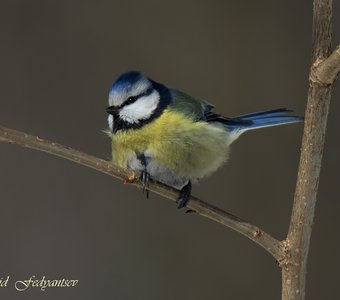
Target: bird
(169, 136)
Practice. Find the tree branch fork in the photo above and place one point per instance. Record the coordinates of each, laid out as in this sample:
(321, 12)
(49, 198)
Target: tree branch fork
(324, 72)
(196, 205)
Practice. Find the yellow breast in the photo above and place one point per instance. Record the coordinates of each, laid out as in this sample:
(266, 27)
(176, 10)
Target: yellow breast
(190, 149)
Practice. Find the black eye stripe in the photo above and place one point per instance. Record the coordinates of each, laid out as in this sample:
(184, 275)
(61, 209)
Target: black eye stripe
(147, 92)
(133, 99)
(130, 100)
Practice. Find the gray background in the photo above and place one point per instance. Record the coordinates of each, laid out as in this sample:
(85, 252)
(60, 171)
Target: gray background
(59, 219)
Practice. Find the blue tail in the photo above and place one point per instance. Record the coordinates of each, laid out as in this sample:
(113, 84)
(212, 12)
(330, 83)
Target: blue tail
(261, 119)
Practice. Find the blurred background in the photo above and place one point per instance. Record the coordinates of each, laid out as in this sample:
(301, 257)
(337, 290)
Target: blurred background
(62, 220)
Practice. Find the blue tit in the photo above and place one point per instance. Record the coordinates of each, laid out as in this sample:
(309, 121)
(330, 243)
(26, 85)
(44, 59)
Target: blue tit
(172, 137)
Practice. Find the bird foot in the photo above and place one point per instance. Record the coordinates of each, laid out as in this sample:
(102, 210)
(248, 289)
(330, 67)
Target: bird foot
(144, 178)
(184, 195)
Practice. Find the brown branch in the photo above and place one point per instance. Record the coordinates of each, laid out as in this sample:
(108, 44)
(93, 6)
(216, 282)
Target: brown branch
(202, 208)
(324, 72)
(322, 76)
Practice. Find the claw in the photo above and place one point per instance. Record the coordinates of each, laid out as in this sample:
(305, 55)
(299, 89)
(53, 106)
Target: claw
(144, 178)
(184, 195)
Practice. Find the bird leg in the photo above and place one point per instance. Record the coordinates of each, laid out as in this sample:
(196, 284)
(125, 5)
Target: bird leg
(184, 195)
(144, 178)
(144, 175)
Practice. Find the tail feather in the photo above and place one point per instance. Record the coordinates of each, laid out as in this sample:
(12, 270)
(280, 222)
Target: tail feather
(239, 124)
(262, 119)
(266, 113)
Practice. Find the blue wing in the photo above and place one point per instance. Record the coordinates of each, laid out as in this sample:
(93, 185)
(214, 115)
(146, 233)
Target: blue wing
(202, 111)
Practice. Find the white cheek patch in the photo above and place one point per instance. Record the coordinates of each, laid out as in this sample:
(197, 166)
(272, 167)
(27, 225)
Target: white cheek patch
(110, 121)
(142, 109)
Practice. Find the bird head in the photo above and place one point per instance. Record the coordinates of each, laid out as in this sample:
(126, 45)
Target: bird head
(134, 100)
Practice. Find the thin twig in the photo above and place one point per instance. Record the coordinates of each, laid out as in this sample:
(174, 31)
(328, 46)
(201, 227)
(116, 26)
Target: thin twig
(202, 208)
(322, 76)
